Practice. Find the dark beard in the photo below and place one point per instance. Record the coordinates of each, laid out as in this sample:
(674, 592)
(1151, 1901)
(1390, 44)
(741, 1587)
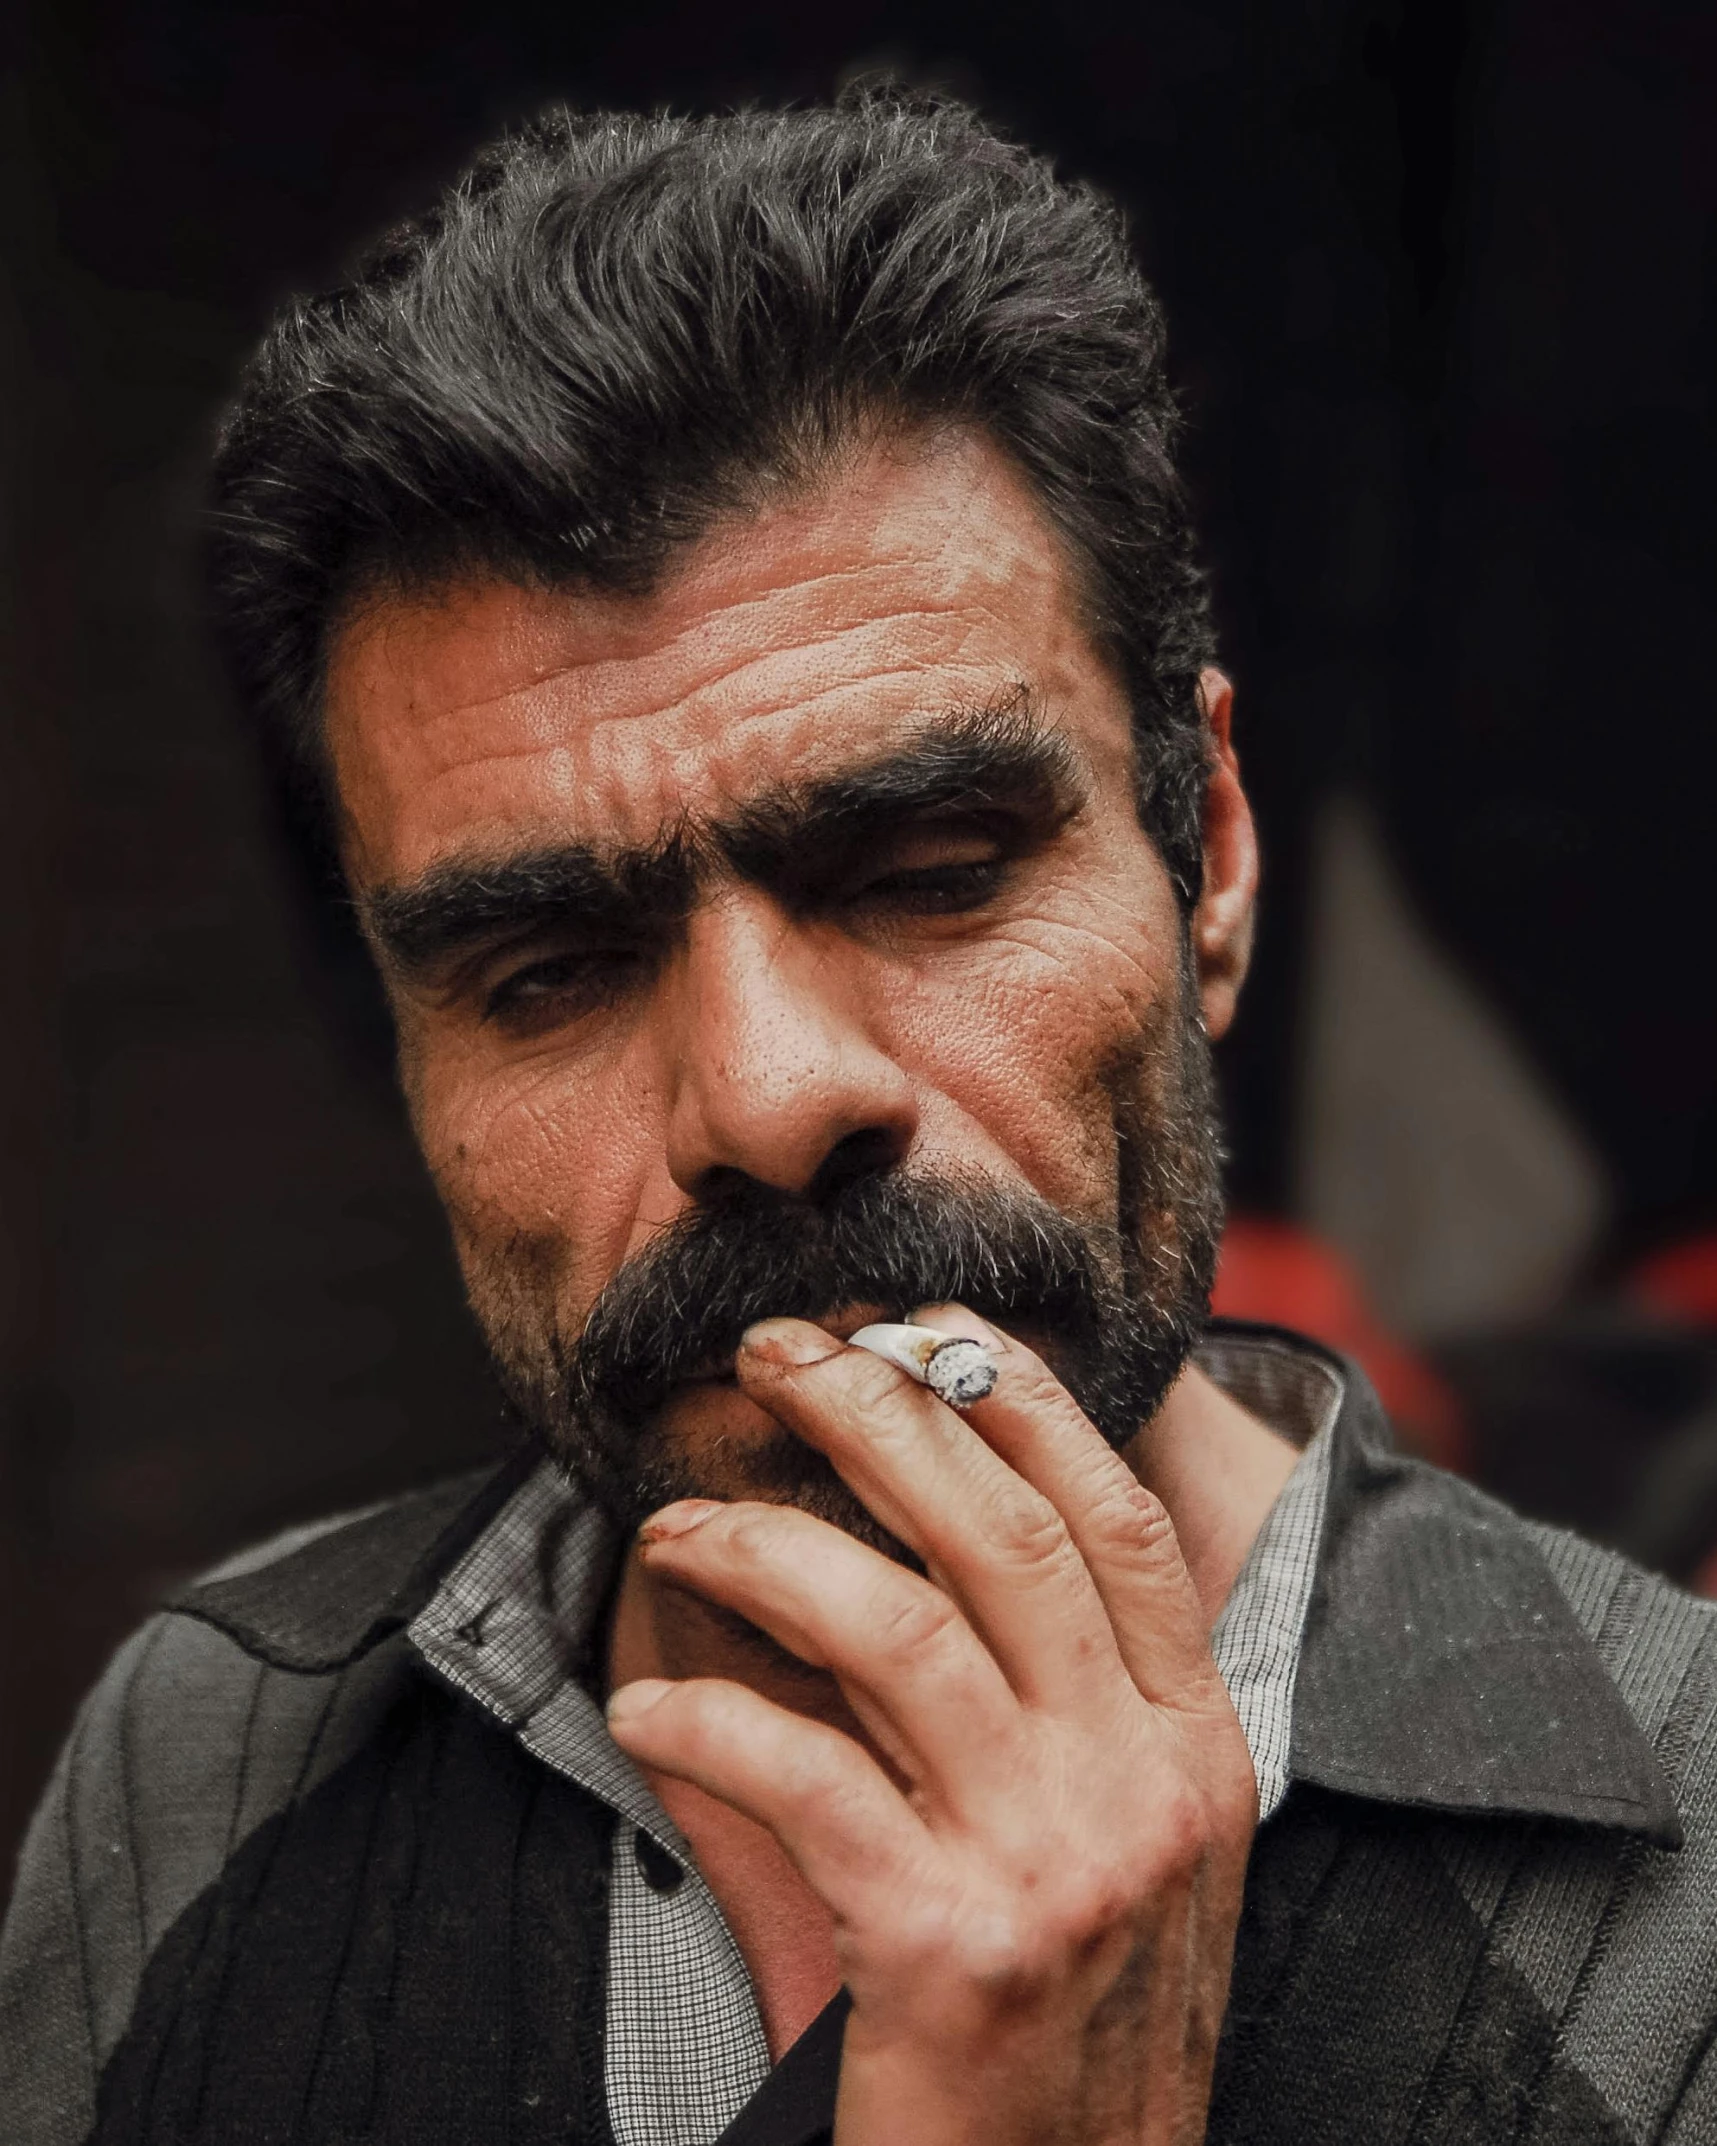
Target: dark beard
(1121, 1303)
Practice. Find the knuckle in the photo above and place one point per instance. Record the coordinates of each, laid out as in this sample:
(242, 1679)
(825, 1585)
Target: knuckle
(915, 1622)
(1152, 1524)
(994, 1950)
(1002, 1955)
(1034, 1387)
(1233, 1799)
(1026, 1529)
(1030, 1377)
(860, 1379)
(1134, 1520)
(1181, 1836)
(748, 1529)
(693, 1715)
(1098, 1901)
(804, 1772)
(918, 1939)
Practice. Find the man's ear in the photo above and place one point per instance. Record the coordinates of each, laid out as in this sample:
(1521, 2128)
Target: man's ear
(1222, 921)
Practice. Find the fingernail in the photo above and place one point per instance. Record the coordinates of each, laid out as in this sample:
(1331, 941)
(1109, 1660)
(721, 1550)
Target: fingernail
(956, 1319)
(632, 1701)
(788, 1341)
(678, 1519)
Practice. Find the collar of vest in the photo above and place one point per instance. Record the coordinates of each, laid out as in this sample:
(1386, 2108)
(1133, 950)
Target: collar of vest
(328, 1601)
(1442, 1667)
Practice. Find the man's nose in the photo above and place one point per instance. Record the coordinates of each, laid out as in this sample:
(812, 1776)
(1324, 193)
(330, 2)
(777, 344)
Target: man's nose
(776, 1075)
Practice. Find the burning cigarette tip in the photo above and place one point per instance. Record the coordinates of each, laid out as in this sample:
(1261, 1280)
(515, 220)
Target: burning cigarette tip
(956, 1370)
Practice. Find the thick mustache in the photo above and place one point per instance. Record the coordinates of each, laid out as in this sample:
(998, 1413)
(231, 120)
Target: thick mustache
(677, 1311)
(838, 1320)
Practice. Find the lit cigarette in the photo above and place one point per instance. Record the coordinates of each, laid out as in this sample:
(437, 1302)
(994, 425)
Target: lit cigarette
(956, 1370)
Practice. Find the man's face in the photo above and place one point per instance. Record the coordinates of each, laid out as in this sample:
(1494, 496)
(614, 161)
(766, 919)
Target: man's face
(812, 878)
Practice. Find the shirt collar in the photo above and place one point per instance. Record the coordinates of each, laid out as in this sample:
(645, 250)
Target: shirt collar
(516, 1625)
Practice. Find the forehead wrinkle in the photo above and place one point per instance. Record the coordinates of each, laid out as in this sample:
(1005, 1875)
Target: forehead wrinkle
(816, 738)
(709, 613)
(710, 682)
(739, 580)
(693, 758)
(663, 623)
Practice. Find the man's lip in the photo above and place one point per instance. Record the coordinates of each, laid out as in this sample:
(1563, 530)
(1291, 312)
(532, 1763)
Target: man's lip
(842, 1324)
(713, 1371)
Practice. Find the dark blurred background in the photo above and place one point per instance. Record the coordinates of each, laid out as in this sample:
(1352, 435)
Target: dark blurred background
(1440, 274)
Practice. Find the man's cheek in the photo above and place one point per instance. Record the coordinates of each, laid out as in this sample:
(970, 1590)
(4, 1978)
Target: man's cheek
(542, 1158)
(1019, 1049)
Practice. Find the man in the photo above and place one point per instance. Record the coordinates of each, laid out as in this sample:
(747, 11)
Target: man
(722, 592)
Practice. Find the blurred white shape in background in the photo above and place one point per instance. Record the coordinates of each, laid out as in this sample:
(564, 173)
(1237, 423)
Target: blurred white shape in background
(1429, 1150)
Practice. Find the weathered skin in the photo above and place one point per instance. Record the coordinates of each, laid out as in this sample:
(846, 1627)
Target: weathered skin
(1009, 1805)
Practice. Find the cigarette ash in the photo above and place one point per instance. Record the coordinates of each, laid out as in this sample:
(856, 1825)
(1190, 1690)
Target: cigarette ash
(961, 1373)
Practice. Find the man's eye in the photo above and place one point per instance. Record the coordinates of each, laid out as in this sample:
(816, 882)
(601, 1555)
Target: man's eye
(938, 870)
(560, 987)
(936, 889)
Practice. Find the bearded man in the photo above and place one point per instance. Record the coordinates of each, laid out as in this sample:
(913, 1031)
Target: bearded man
(722, 591)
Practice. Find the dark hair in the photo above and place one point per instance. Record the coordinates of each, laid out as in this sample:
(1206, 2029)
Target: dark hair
(614, 329)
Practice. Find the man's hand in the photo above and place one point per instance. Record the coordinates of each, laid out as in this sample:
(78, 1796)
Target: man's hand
(1036, 1874)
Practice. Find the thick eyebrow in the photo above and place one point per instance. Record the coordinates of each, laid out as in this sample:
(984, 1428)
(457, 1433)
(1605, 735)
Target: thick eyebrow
(1000, 757)
(794, 840)
(422, 927)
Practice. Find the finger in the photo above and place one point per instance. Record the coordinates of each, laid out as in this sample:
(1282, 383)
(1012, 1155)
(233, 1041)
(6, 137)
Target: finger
(914, 1672)
(1122, 1530)
(851, 1833)
(991, 1540)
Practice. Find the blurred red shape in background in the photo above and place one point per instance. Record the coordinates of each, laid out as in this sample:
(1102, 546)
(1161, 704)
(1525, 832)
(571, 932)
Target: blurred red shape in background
(1680, 1281)
(1279, 1273)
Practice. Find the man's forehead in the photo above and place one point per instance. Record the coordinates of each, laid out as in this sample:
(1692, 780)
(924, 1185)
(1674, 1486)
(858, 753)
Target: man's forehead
(489, 714)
